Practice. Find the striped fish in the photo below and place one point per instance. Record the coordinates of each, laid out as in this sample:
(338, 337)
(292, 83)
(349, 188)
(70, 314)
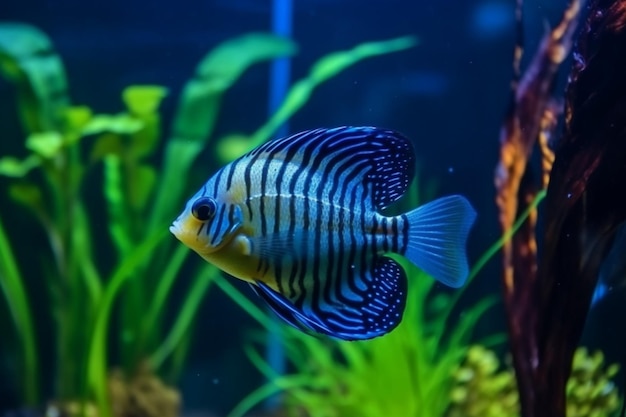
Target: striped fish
(299, 218)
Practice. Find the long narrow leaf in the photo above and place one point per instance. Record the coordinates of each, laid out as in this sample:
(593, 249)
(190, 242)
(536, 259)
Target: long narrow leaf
(482, 261)
(118, 216)
(199, 108)
(84, 255)
(163, 289)
(27, 58)
(12, 285)
(243, 302)
(266, 391)
(97, 362)
(184, 318)
(324, 69)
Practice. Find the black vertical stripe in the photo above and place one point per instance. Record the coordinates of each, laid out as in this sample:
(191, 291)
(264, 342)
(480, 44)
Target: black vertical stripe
(353, 270)
(337, 269)
(405, 234)
(292, 227)
(286, 161)
(229, 178)
(394, 236)
(385, 235)
(218, 221)
(317, 258)
(218, 179)
(330, 276)
(262, 214)
(248, 185)
(374, 234)
(364, 235)
(231, 214)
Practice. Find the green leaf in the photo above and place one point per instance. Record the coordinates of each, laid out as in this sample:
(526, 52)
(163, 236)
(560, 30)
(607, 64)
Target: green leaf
(141, 182)
(118, 222)
(81, 242)
(322, 70)
(217, 72)
(13, 167)
(163, 289)
(243, 302)
(121, 124)
(13, 287)
(144, 142)
(232, 147)
(76, 117)
(496, 246)
(28, 59)
(184, 318)
(106, 144)
(143, 100)
(97, 363)
(26, 194)
(199, 106)
(45, 144)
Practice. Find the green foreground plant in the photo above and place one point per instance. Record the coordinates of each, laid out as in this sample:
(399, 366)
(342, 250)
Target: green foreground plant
(406, 373)
(65, 143)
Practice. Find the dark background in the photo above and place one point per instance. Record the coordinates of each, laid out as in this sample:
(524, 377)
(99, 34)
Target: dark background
(449, 94)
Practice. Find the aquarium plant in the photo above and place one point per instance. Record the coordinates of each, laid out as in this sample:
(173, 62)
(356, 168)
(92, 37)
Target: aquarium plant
(485, 388)
(482, 388)
(407, 372)
(65, 145)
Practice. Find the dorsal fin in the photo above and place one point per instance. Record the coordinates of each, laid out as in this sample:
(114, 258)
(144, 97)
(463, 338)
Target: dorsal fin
(380, 157)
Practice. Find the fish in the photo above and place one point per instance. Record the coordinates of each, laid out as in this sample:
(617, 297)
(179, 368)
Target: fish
(300, 219)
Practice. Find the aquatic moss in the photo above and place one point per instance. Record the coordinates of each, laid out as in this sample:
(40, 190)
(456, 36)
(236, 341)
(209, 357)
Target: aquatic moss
(590, 389)
(482, 388)
(485, 388)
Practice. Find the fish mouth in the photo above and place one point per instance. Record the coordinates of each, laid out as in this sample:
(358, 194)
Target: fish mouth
(186, 231)
(176, 230)
(182, 232)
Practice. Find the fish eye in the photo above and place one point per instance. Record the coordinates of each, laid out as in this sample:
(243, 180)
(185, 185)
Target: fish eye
(204, 208)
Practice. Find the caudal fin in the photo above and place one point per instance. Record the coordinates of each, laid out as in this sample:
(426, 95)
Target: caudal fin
(437, 238)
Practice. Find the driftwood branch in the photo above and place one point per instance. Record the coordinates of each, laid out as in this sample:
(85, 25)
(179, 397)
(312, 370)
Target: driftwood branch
(547, 302)
(584, 206)
(530, 121)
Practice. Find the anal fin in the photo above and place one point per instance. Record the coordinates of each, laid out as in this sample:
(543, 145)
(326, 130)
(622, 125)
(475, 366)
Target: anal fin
(376, 313)
(286, 310)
